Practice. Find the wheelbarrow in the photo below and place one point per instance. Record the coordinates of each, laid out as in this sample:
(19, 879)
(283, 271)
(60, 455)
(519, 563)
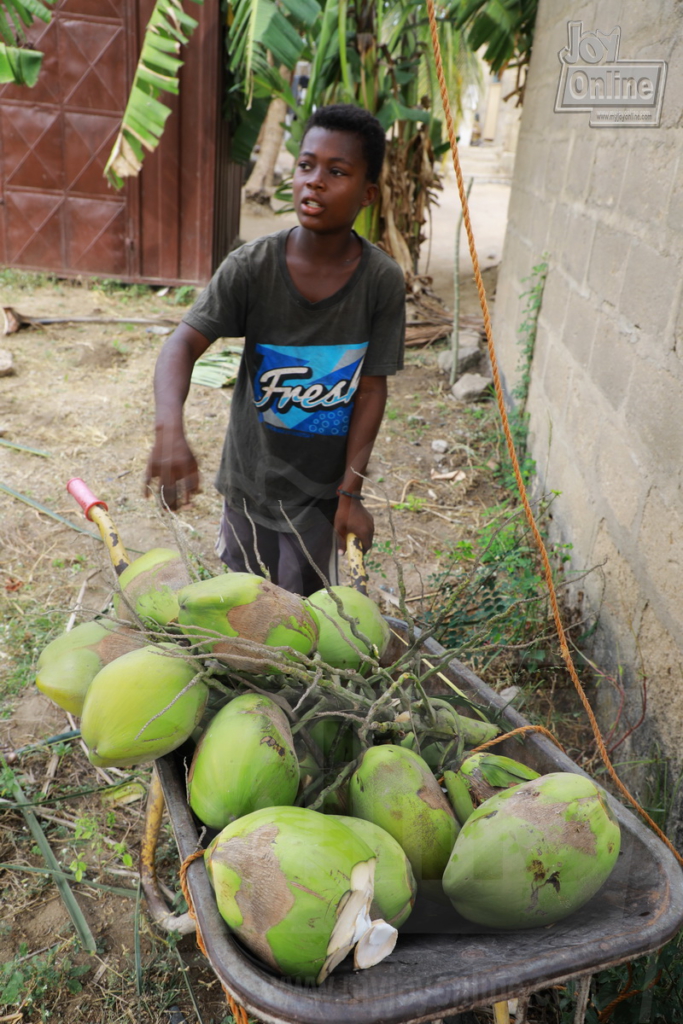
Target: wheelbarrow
(442, 964)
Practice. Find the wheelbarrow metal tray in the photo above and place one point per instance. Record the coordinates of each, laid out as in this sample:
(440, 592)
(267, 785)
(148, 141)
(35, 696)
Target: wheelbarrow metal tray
(442, 964)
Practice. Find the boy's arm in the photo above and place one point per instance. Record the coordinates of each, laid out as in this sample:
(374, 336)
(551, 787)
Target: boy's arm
(368, 409)
(171, 460)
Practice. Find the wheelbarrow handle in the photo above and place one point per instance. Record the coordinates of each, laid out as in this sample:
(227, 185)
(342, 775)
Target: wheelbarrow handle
(96, 511)
(357, 570)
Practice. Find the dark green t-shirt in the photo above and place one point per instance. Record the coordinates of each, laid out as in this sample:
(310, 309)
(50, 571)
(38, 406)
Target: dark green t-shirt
(302, 361)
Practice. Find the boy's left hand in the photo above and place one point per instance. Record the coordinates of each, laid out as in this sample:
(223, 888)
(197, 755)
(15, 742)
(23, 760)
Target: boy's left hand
(352, 517)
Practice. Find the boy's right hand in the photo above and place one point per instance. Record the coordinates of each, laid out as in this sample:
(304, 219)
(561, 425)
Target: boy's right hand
(171, 461)
(172, 464)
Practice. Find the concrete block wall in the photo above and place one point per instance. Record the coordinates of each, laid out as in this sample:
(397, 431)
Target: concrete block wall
(606, 396)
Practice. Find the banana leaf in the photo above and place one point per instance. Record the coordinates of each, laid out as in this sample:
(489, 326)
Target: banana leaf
(504, 27)
(19, 65)
(157, 72)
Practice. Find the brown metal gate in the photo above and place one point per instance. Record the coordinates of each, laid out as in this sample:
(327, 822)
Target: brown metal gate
(57, 212)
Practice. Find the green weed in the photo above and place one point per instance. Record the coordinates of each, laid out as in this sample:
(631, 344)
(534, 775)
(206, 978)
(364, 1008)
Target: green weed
(184, 296)
(649, 989)
(518, 416)
(25, 280)
(92, 839)
(492, 599)
(36, 983)
(121, 289)
(382, 547)
(23, 637)
(412, 503)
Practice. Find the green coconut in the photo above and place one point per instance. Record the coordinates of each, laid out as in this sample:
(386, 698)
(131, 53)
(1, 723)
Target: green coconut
(296, 886)
(149, 585)
(486, 774)
(394, 788)
(337, 644)
(481, 776)
(395, 885)
(250, 611)
(141, 706)
(244, 761)
(533, 854)
(70, 662)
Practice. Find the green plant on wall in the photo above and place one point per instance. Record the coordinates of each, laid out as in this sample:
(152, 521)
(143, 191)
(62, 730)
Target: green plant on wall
(526, 341)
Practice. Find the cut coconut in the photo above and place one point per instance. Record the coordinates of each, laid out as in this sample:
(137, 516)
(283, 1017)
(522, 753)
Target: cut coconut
(295, 885)
(376, 943)
(353, 919)
(395, 886)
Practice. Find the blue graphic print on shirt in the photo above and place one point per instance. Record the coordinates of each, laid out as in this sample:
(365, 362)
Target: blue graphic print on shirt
(309, 389)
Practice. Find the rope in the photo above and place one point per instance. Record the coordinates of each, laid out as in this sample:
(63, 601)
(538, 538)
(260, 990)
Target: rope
(238, 1012)
(564, 648)
(627, 993)
(517, 732)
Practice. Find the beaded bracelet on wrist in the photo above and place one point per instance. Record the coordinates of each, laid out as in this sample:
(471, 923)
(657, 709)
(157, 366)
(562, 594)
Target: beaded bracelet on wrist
(349, 494)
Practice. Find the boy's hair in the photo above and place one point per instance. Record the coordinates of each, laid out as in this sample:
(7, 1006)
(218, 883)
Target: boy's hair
(344, 117)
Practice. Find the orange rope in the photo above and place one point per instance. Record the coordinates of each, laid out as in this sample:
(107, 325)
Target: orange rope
(517, 732)
(511, 448)
(238, 1012)
(627, 993)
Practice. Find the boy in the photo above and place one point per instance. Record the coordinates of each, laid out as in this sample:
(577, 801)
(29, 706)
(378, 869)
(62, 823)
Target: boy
(323, 315)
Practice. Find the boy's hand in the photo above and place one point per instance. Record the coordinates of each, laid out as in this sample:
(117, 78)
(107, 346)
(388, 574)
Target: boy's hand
(351, 517)
(173, 464)
(171, 461)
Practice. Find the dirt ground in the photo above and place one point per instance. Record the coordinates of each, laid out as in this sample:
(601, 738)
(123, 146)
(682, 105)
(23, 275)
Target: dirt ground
(81, 397)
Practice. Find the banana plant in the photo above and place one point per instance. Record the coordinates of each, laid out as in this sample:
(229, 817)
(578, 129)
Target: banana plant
(19, 64)
(375, 55)
(505, 28)
(380, 57)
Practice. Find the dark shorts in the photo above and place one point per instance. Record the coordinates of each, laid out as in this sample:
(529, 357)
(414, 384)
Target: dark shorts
(246, 546)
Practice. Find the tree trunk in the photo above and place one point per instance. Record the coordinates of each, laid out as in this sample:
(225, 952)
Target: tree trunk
(257, 188)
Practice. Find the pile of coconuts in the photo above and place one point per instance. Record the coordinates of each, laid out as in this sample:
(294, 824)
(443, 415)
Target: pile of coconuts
(337, 791)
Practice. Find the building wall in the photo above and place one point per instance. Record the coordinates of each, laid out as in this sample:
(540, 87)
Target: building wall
(606, 397)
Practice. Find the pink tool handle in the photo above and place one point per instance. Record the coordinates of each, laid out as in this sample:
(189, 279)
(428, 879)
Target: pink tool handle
(79, 490)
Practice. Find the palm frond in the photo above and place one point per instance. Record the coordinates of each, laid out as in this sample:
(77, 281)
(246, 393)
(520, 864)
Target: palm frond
(145, 115)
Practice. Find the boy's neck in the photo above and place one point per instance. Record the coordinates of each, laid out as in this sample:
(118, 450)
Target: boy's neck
(328, 248)
(320, 265)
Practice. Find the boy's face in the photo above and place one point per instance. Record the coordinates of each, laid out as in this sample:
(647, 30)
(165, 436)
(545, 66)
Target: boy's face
(330, 181)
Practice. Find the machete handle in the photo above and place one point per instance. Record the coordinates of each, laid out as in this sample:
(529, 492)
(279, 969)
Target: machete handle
(79, 490)
(97, 512)
(357, 570)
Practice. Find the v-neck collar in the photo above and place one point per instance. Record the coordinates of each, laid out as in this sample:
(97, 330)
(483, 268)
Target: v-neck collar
(337, 296)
